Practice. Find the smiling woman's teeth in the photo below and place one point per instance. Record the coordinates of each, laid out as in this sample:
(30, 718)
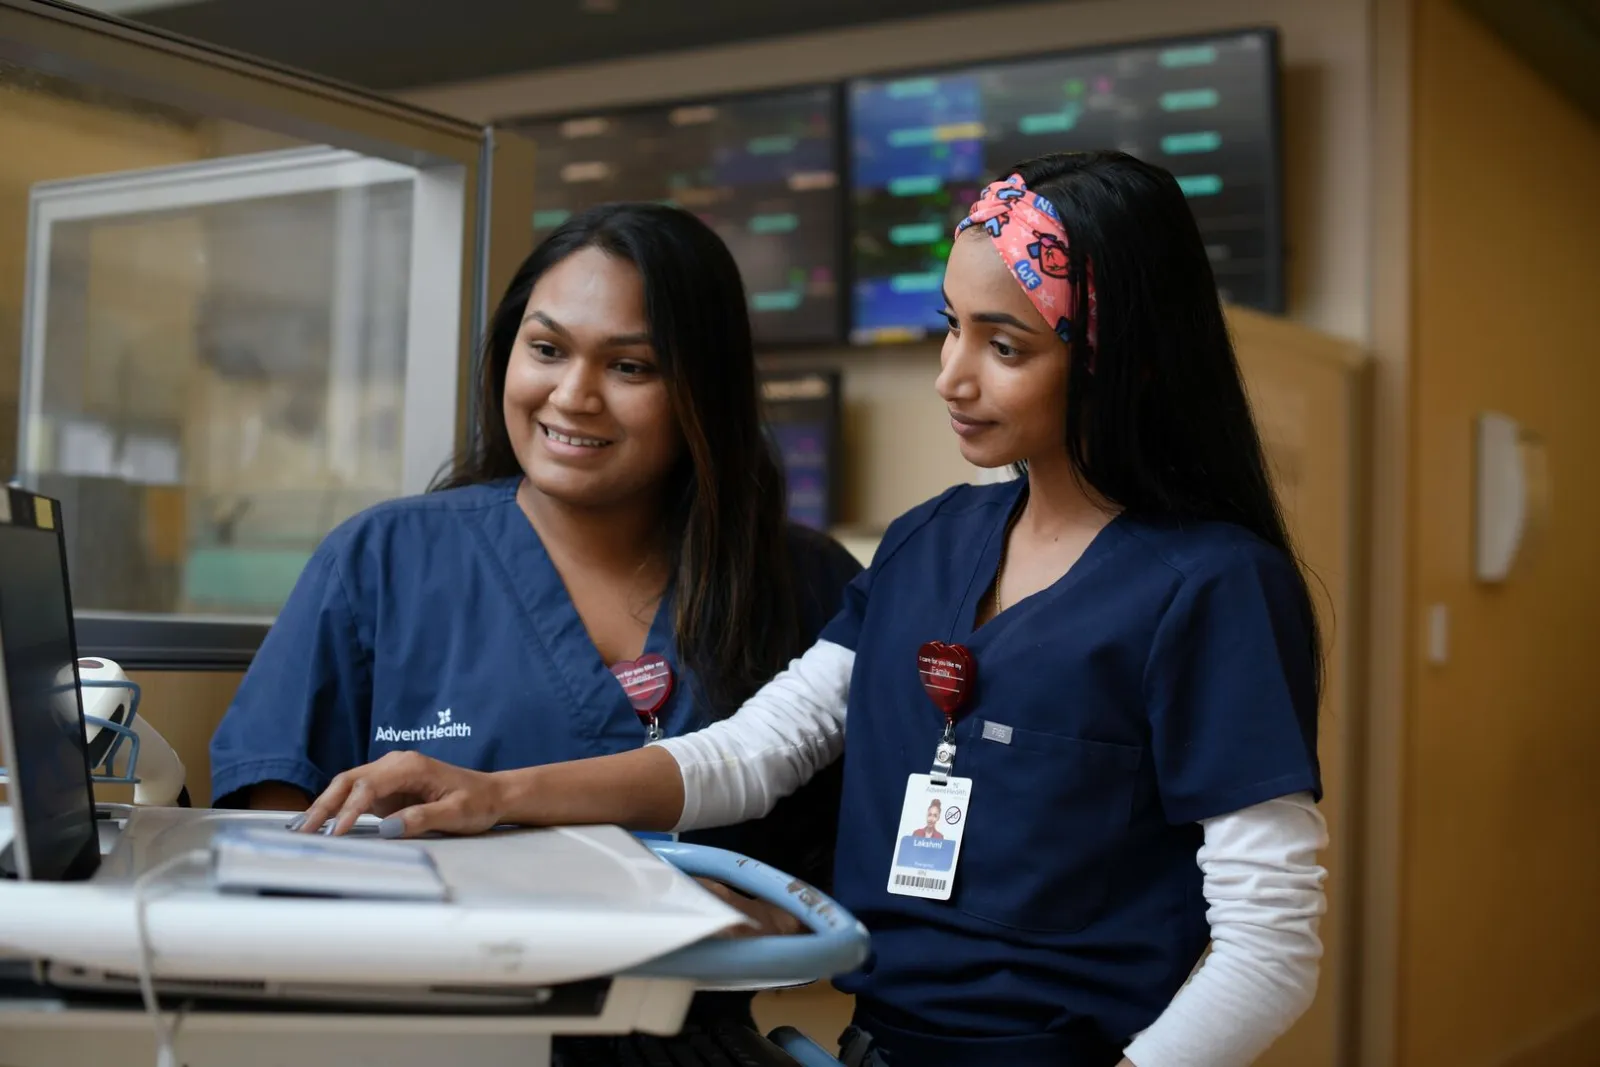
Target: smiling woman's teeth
(581, 442)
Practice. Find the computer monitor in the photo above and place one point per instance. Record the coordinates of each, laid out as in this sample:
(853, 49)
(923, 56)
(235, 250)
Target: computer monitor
(802, 414)
(761, 169)
(41, 711)
(923, 145)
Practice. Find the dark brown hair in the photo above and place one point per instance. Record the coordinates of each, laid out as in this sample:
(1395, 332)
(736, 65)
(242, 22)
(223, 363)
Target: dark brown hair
(735, 622)
(1158, 421)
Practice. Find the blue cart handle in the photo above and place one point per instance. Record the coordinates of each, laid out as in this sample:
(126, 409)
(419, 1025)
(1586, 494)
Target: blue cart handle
(838, 942)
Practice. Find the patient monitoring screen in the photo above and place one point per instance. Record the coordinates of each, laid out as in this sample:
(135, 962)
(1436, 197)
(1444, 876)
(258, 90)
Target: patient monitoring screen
(762, 171)
(924, 146)
(47, 764)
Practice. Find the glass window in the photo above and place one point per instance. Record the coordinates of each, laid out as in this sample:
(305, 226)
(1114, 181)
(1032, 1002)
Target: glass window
(216, 343)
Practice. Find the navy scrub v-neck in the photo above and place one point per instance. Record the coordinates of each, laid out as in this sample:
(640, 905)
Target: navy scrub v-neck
(1166, 678)
(438, 623)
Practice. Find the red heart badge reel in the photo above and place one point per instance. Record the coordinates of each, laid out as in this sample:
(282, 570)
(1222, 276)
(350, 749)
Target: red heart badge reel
(948, 674)
(648, 683)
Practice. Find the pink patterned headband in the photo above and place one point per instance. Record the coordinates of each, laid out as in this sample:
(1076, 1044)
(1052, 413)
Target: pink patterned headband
(1027, 231)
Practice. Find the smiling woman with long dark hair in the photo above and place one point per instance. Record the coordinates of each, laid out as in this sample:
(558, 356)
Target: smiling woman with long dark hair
(696, 476)
(609, 561)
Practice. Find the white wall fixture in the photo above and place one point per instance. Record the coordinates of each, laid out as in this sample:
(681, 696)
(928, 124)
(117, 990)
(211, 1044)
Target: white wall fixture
(1513, 494)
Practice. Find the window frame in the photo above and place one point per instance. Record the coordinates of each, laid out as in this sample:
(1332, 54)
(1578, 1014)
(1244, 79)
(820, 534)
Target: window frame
(490, 240)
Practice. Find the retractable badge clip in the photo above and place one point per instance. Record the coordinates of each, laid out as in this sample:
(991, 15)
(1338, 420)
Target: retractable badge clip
(948, 674)
(648, 683)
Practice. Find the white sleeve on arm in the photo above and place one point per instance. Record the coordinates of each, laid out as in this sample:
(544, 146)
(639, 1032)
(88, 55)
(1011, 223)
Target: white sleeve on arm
(792, 728)
(1263, 889)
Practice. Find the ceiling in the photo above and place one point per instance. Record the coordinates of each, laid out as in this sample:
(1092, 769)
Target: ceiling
(389, 45)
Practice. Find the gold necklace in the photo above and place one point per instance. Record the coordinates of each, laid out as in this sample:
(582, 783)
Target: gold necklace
(1000, 569)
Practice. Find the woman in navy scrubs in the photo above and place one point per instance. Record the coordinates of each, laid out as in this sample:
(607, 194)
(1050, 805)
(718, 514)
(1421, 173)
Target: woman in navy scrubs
(619, 504)
(1106, 672)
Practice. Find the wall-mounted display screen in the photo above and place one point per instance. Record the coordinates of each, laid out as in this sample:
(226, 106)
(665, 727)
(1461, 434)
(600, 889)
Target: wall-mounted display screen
(923, 146)
(763, 171)
(802, 413)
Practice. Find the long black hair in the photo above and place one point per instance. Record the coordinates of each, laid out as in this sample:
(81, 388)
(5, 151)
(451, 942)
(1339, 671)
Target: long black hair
(1158, 422)
(735, 602)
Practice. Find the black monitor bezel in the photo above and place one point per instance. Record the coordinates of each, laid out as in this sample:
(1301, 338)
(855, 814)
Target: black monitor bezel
(20, 861)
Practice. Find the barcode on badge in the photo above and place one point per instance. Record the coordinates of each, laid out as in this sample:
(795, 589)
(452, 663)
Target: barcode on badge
(917, 881)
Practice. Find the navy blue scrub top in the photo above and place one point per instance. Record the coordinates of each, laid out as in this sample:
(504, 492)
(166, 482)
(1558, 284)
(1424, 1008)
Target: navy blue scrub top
(1168, 677)
(438, 623)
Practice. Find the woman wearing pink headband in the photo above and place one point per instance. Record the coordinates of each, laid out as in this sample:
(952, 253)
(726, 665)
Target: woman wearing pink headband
(1106, 672)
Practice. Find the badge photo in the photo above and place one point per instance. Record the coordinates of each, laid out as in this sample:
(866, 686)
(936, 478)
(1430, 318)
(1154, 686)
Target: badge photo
(933, 817)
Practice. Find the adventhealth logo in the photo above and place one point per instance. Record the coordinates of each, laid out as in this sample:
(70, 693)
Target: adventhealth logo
(445, 727)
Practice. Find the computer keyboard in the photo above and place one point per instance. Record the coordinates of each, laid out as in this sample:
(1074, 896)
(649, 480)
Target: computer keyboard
(719, 1044)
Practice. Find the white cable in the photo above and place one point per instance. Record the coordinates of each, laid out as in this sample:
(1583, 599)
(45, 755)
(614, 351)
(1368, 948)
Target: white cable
(166, 1055)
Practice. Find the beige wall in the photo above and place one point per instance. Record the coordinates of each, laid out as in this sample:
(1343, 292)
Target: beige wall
(1384, 636)
(901, 451)
(1501, 932)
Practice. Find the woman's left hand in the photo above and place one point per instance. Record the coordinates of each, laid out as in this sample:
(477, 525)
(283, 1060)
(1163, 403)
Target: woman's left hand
(768, 918)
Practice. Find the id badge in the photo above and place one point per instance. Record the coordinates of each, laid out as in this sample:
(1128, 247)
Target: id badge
(932, 818)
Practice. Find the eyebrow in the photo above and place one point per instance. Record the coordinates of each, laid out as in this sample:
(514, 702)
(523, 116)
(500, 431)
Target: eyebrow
(998, 318)
(619, 340)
